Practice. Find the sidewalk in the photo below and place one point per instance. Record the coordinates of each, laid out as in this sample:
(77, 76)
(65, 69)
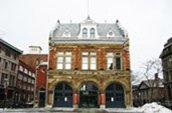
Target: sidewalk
(71, 110)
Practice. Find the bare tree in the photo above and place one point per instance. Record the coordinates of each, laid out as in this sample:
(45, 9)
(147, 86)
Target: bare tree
(135, 78)
(150, 68)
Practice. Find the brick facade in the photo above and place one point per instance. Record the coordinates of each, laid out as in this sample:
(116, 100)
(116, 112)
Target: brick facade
(89, 70)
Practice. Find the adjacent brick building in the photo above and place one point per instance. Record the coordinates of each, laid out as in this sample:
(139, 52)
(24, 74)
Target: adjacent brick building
(89, 65)
(25, 83)
(38, 62)
(9, 60)
(166, 57)
(41, 85)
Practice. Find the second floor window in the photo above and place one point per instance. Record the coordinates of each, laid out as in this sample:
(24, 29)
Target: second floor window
(113, 61)
(89, 61)
(64, 60)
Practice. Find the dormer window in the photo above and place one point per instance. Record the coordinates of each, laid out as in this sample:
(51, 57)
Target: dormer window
(110, 34)
(67, 33)
(92, 32)
(84, 32)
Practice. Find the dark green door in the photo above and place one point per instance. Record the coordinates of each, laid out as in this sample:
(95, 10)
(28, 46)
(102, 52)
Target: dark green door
(115, 96)
(42, 98)
(88, 96)
(63, 95)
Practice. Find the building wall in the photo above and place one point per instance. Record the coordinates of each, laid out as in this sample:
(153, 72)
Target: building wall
(9, 59)
(33, 60)
(166, 57)
(41, 84)
(146, 93)
(36, 62)
(24, 85)
(101, 76)
(41, 76)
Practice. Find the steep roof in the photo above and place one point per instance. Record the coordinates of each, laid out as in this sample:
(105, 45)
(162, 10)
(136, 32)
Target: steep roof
(151, 84)
(10, 46)
(102, 30)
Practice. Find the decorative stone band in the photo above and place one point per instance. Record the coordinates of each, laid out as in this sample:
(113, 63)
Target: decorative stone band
(88, 72)
(87, 42)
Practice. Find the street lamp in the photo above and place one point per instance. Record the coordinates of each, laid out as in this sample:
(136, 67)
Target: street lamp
(5, 91)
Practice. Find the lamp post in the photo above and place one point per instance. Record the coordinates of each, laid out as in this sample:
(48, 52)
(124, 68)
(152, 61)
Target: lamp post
(5, 91)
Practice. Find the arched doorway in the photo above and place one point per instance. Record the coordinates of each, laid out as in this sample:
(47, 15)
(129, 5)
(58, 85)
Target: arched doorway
(88, 95)
(115, 96)
(63, 95)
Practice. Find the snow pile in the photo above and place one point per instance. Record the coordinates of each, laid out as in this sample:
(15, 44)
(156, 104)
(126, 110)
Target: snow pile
(154, 108)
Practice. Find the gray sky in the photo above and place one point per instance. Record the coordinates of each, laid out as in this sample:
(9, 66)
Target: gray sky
(148, 22)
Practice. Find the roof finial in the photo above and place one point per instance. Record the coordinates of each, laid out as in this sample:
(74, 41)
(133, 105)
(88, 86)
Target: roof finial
(88, 8)
(88, 17)
(58, 21)
(117, 21)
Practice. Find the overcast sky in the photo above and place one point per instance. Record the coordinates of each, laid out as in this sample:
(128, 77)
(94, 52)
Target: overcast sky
(148, 22)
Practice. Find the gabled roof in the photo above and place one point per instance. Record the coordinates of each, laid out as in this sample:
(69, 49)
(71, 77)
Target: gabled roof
(151, 84)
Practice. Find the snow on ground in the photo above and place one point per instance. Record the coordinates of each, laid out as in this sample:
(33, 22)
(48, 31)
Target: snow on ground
(147, 108)
(154, 108)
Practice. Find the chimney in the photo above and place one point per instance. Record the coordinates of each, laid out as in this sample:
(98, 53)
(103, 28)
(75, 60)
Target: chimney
(156, 76)
(157, 80)
(35, 50)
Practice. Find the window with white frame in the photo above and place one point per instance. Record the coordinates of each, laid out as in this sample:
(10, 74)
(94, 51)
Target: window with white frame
(25, 71)
(84, 32)
(11, 80)
(33, 74)
(64, 60)
(92, 32)
(113, 61)
(28, 88)
(20, 77)
(25, 78)
(29, 80)
(21, 68)
(33, 81)
(30, 73)
(89, 61)
(32, 88)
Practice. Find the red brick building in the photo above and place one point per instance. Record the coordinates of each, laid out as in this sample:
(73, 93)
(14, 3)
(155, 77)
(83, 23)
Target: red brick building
(38, 62)
(89, 65)
(25, 83)
(41, 84)
(33, 60)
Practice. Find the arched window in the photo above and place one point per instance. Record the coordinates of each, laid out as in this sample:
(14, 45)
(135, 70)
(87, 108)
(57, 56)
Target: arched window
(84, 32)
(92, 32)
